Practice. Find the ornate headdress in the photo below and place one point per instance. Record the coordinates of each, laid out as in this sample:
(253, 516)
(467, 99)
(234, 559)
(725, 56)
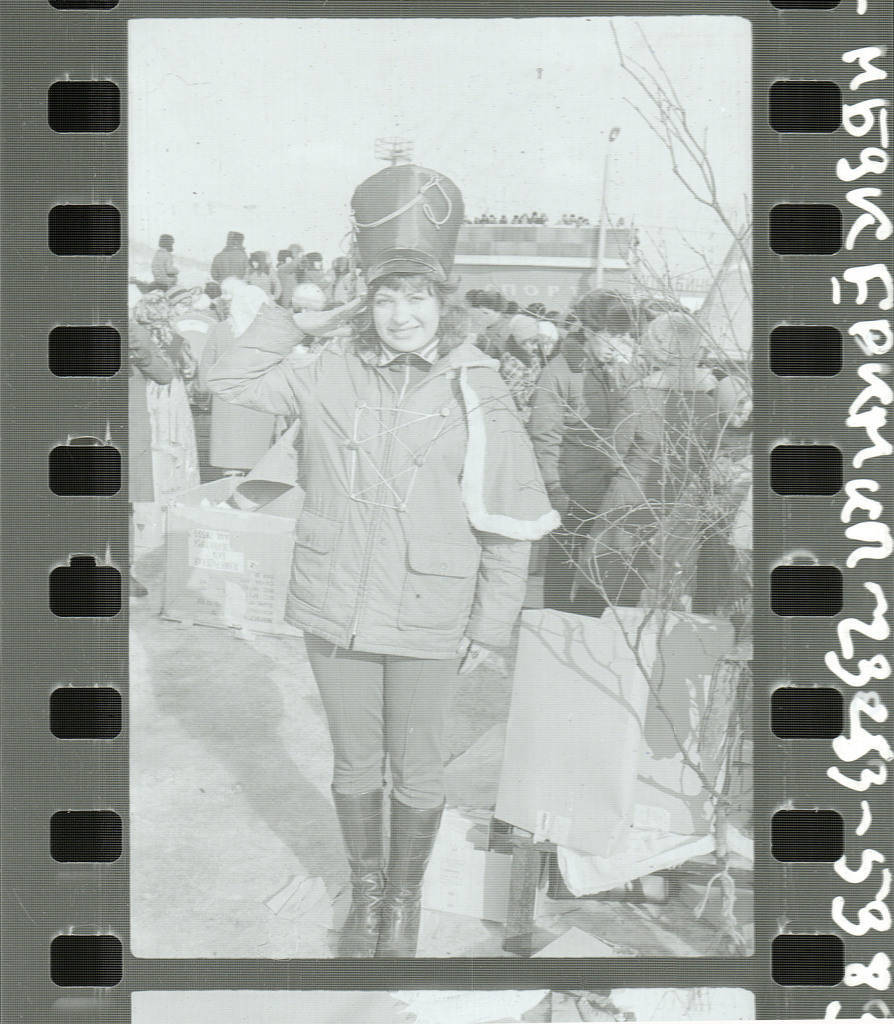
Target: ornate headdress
(406, 220)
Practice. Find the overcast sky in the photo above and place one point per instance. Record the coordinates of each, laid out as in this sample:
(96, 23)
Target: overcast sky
(266, 126)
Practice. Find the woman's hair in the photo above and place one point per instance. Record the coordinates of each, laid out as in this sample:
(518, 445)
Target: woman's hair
(453, 325)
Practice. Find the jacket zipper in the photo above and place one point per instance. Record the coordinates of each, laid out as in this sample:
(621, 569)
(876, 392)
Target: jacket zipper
(374, 526)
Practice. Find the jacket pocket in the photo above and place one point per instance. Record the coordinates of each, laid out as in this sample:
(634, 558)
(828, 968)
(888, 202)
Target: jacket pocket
(315, 541)
(439, 584)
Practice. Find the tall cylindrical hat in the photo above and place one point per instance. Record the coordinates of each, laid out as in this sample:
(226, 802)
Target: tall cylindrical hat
(406, 220)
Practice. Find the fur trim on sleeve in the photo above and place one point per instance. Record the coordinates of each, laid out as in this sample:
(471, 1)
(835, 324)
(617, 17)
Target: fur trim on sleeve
(502, 488)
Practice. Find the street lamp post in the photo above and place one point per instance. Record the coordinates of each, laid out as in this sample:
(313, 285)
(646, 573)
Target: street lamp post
(603, 218)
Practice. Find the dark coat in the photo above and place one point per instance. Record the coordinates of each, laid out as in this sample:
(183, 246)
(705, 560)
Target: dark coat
(229, 262)
(145, 361)
(575, 398)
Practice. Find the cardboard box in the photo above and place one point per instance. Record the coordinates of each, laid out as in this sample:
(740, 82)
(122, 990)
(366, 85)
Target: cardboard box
(226, 567)
(148, 528)
(463, 876)
(587, 753)
(574, 730)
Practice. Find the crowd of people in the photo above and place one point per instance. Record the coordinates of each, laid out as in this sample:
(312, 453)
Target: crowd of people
(534, 217)
(293, 267)
(551, 360)
(634, 421)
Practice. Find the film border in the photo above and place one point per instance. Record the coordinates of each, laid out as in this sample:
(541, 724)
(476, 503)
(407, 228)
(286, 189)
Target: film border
(42, 774)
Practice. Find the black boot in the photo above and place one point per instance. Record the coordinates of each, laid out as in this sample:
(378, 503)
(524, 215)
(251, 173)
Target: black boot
(413, 833)
(360, 817)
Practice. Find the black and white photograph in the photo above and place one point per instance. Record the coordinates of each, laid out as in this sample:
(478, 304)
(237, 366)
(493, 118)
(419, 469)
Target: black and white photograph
(439, 461)
(444, 1007)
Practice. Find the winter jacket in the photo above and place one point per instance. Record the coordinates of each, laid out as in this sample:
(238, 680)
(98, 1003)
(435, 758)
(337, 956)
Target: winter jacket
(229, 262)
(576, 400)
(397, 464)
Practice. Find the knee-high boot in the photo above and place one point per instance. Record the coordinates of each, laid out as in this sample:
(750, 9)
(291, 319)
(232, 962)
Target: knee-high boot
(413, 833)
(360, 817)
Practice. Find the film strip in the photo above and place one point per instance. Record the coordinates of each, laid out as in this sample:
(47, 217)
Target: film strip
(823, 295)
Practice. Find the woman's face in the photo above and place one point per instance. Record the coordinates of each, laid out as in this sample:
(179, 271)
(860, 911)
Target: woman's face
(406, 321)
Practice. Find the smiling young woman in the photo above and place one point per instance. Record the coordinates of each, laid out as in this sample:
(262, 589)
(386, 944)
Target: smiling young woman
(422, 498)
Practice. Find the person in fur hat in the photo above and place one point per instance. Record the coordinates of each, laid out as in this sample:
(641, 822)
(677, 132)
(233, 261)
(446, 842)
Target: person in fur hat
(528, 346)
(422, 500)
(232, 260)
(164, 270)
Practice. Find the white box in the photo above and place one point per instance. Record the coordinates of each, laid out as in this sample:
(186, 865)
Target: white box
(229, 568)
(465, 878)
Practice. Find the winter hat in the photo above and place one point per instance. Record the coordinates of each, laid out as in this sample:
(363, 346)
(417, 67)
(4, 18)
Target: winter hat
(406, 221)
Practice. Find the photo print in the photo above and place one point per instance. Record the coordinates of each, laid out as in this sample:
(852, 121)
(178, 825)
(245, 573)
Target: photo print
(440, 481)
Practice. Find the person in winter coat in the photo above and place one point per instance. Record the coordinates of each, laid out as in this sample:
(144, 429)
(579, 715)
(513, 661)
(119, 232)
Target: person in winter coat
(260, 274)
(422, 498)
(164, 271)
(290, 271)
(313, 270)
(494, 323)
(145, 363)
(574, 412)
(232, 260)
(672, 428)
(344, 285)
(175, 462)
(239, 436)
(522, 362)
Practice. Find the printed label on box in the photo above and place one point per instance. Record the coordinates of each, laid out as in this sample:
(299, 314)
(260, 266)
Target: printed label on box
(211, 549)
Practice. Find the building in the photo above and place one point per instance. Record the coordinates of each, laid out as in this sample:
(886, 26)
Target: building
(552, 264)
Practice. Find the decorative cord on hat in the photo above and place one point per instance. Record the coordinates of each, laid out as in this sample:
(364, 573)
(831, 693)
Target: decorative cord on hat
(433, 182)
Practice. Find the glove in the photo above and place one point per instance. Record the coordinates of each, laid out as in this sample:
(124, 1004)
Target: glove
(477, 654)
(320, 323)
(558, 498)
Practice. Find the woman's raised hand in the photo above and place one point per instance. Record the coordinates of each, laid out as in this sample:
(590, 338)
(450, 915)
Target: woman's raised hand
(325, 321)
